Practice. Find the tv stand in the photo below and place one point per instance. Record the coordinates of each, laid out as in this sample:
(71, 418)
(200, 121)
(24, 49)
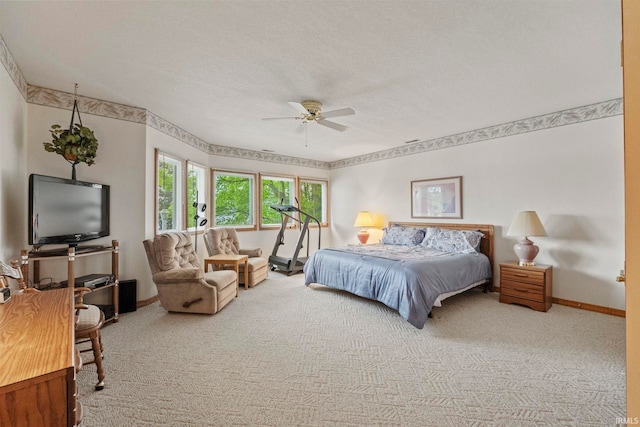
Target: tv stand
(85, 248)
(38, 252)
(72, 253)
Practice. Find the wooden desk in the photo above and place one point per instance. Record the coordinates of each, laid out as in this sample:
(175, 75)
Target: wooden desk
(234, 260)
(37, 379)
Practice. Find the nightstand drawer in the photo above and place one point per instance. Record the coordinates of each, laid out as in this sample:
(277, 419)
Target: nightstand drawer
(528, 291)
(522, 275)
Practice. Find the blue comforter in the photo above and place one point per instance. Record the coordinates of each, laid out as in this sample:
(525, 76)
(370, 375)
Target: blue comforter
(408, 284)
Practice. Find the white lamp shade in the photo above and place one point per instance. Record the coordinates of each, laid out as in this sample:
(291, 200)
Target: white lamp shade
(363, 219)
(526, 223)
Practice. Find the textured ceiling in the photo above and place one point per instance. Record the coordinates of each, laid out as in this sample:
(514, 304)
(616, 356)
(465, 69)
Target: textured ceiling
(412, 70)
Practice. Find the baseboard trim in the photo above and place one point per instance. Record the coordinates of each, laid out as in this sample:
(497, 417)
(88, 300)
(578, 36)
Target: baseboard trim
(584, 306)
(146, 302)
(589, 307)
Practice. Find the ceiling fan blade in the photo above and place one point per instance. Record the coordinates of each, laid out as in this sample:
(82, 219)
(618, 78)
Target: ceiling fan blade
(299, 107)
(332, 125)
(338, 113)
(280, 118)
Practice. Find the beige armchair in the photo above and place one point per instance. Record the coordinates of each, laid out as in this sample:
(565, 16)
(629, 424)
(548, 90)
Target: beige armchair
(182, 284)
(224, 240)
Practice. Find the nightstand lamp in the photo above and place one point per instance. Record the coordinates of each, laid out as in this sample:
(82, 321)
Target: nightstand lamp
(363, 220)
(526, 223)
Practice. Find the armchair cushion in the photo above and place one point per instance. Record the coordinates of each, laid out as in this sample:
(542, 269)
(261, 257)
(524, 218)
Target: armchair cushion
(222, 240)
(179, 275)
(88, 318)
(253, 253)
(174, 250)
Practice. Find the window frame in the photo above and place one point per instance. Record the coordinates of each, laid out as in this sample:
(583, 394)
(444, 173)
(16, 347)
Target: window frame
(202, 196)
(324, 222)
(252, 203)
(178, 198)
(294, 195)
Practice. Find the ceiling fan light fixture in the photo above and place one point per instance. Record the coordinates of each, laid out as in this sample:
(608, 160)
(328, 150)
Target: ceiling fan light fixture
(313, 107)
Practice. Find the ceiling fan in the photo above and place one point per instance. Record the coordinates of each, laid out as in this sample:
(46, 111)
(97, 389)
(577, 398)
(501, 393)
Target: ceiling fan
(311, 111)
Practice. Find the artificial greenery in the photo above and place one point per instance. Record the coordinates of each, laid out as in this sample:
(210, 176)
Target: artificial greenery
(77, 144)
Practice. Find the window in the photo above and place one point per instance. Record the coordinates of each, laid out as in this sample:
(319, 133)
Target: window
(234, 199)
(169, 192)
(313, 199)
(196, 196)
(275, 191)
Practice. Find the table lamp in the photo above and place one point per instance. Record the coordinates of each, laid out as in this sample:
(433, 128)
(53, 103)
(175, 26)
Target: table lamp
(363, 220)
(526, 223)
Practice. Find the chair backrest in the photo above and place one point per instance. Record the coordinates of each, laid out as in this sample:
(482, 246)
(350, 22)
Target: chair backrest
(221, 240)
(171, 250)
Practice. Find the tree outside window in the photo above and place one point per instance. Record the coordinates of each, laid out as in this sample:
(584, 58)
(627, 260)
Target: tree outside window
(313, 199)
(169, 193)
(233, 199)
(275, 191)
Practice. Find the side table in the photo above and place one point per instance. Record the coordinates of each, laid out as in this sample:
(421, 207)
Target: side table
(235, 260)
(526, 285)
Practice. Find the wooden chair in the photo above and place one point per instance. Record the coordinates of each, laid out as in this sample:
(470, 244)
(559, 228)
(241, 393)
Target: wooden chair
(89, 320)
(13, 271)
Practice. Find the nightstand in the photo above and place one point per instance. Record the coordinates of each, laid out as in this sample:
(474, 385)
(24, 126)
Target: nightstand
(526, 285)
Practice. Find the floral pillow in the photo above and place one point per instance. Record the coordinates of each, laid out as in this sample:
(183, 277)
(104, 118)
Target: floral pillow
(398, 235)
(474, 238)
(453, 241)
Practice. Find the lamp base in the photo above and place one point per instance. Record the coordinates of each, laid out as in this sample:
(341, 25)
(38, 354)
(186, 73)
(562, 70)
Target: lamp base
(526, 252)
(363, 236)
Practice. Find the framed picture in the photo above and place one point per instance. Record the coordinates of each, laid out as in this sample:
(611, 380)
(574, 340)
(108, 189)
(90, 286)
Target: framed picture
(437, 198)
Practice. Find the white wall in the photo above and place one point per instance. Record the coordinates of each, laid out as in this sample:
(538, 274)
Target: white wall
(571, 175)
(13, 181)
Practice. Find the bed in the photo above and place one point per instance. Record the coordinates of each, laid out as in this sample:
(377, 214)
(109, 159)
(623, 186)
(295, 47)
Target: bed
(406, 272)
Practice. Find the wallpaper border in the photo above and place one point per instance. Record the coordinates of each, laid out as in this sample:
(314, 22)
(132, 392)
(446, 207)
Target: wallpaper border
(12, 68)
(57, 99)
(64, 100)
(571, 116)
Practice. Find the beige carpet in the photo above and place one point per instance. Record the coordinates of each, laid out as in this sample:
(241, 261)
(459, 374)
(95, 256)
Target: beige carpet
(283, 354)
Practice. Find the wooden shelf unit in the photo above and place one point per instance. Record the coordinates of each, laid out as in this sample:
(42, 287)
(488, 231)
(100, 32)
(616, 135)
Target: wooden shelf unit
(35, 257)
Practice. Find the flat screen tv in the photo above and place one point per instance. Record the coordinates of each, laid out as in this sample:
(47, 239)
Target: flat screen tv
(65, 211)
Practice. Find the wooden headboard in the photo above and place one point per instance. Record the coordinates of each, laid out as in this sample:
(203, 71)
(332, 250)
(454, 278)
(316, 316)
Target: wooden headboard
(486, 244)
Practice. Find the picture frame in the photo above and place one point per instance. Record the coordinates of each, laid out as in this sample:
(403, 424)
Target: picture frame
(437, 198)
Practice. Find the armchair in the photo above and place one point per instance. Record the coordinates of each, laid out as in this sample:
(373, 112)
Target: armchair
(182, 284)
(224, 240)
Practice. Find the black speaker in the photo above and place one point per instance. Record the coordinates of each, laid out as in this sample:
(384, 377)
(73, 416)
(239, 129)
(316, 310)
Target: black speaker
(128, 295)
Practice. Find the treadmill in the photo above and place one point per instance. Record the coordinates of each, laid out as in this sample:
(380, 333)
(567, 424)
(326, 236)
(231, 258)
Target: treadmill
(296, 262)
